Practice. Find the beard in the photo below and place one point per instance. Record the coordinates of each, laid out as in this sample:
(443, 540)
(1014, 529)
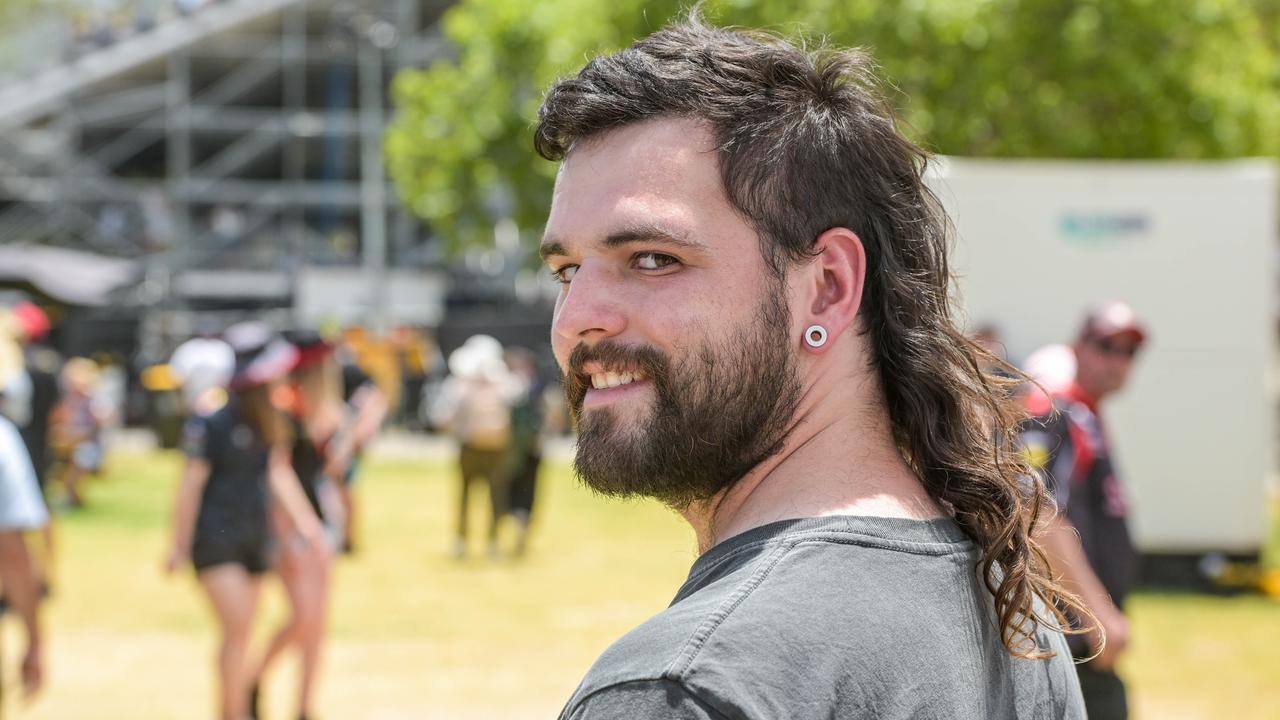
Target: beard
(715, 415)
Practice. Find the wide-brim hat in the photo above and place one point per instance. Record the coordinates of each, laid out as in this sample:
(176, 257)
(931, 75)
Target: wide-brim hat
(312, 347)
(261, 355)
(480, 356)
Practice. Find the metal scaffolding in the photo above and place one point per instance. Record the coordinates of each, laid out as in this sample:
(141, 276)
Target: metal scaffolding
(245, 137)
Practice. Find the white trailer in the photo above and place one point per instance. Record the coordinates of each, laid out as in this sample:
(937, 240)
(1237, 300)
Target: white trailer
(1192, 247)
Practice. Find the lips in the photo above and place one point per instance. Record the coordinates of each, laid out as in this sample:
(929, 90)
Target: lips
(609, 370)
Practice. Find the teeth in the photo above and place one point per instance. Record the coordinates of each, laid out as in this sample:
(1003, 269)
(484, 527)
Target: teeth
(601, 381)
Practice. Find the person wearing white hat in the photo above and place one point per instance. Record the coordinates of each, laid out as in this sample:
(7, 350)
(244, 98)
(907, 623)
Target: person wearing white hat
(238, 458)
(475, 407)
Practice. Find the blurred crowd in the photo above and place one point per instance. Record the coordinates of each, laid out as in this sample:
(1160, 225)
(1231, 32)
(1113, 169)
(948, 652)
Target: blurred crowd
(273, 425)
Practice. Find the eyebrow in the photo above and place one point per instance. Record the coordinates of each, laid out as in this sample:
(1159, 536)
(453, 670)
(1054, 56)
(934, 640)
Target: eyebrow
(551, 246)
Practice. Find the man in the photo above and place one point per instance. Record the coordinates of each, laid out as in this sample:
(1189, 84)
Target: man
(1089, 539)
(754, 328)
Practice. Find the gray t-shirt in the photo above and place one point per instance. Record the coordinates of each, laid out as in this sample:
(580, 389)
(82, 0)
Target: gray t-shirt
(835, 617)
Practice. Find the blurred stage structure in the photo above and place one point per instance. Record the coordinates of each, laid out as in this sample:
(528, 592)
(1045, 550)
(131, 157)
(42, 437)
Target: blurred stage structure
(230, 152)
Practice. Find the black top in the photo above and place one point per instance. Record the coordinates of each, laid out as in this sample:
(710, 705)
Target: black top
(834, 617)
(308, 463)
(1077, 464)
(42, 368)
(353, 378)
(235, 495)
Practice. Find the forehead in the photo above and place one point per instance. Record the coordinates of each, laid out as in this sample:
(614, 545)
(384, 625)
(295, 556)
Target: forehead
(662, 172)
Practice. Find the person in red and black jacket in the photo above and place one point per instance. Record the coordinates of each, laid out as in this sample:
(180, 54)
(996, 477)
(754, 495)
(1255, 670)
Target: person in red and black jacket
(1088, 540)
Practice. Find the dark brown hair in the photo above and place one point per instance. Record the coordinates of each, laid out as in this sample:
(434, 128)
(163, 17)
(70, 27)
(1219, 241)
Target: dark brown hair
(805, 143)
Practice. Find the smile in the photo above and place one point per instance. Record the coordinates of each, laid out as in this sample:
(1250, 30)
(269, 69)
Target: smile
(609, 388)
(602, 381)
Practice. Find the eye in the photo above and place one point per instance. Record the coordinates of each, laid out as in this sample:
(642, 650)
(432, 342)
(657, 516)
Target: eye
(654, 261)
(564, 274)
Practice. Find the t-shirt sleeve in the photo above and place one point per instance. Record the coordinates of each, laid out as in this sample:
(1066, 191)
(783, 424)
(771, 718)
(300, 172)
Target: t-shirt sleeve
(195, 438)
(642, 700)
(1047, 444)
(21, 507)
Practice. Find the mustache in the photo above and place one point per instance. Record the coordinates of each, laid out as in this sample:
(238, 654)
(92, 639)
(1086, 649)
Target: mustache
(643, 358)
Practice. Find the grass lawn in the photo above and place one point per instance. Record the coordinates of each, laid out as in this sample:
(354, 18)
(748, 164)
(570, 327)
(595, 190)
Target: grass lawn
(418, 635)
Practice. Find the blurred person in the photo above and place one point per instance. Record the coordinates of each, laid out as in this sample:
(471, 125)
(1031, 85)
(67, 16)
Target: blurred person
(238, 460)
(28, 399)
(524, 458)
(1088, 540)
(414, 357)
(317, 418)
(112, 388)
(367, 406)
(76, 427)
(996, 360)
(754, 328)
(42, 367)
(22, 510)
(474, 406)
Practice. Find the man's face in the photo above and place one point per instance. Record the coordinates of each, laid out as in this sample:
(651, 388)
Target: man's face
(1103, 362)
(675, 340)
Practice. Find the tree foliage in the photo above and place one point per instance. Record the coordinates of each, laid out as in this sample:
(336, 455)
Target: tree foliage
(991, 78)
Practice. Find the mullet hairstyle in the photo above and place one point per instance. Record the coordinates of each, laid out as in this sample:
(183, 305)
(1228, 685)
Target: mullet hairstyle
(806, 143)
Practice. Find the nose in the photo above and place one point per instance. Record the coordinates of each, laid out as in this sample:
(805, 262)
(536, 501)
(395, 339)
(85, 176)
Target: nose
(590, 309)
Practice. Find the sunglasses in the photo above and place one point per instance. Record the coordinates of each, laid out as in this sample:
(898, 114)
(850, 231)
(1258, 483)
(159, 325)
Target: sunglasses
(1111, 346)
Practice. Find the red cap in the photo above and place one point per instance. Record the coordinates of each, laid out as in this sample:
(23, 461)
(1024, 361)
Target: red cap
(33, 321)
(1113, 318)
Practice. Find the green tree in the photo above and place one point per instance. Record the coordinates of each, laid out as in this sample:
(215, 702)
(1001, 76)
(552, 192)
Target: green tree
(991, 78)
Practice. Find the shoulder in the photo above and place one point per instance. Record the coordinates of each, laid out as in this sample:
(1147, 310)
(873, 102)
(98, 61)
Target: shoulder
(808, 610)
(8, 431)
(641, 700)
(645, 654)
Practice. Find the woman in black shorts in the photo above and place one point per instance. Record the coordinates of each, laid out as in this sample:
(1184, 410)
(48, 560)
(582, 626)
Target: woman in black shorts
(236, 455)
(318, 423)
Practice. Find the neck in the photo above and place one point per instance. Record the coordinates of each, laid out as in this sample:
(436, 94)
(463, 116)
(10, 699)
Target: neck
(1088, 395)
(834, 462)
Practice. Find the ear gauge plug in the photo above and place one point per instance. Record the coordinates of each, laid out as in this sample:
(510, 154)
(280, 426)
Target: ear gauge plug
(815, 336)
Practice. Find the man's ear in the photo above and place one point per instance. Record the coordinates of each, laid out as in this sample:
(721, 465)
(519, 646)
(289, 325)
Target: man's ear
(835, 277)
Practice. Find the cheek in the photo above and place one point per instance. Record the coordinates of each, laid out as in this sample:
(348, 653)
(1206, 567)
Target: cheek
(561, 347)
(673, 324)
